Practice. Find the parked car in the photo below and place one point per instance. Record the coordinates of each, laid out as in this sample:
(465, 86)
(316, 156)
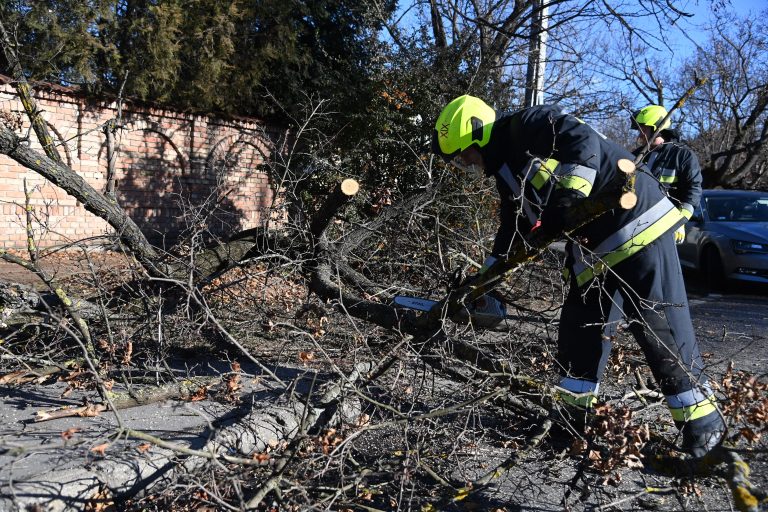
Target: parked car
(727, 237)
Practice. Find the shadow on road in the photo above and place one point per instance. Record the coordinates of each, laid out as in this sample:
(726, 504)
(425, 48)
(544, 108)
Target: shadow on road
(696, 285)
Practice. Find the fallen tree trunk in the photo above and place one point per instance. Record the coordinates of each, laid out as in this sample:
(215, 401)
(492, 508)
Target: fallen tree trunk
(126, 473)
(20, 302)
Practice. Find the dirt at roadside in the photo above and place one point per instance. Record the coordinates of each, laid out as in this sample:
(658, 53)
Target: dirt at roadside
(66, 266)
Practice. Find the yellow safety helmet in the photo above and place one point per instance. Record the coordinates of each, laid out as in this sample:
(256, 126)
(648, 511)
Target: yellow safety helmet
(651, 116)
(463, 122)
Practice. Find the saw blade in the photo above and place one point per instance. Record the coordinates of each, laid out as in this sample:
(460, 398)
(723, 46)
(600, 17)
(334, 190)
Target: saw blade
(414, 302)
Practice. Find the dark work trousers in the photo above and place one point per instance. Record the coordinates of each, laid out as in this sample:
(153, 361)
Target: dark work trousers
(654, 301)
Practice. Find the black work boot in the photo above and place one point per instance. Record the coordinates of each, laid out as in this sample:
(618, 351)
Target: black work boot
(700, 441)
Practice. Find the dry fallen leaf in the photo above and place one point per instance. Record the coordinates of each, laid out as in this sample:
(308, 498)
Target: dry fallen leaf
(261, 457)
(578, 447)
(306, 356)
(92, 410)
(144, 447)
(69, 433)
(128, 353)
(100, 449)
(100, 501)
(362, 420)
(19, 377)
(233, 384)
(200, 394)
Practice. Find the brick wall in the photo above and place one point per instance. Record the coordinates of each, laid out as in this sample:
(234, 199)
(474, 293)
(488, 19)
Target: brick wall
(174, 170)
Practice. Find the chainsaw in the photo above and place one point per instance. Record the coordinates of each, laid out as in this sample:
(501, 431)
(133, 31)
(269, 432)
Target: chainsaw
(485, 311)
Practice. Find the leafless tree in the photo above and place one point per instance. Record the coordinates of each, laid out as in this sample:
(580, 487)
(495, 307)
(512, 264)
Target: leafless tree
(729, 115)
(363, 404)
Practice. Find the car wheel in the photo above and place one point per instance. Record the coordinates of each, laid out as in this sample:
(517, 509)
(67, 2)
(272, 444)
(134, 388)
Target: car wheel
(712, 268)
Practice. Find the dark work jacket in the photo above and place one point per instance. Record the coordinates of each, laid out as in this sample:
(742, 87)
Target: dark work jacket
(675, 165)
(546, 133)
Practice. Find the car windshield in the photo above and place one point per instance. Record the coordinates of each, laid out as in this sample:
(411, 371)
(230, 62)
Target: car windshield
(738, 209)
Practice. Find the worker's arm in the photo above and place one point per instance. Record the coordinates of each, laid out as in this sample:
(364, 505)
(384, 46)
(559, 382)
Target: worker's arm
(577, 147)
(688, 189)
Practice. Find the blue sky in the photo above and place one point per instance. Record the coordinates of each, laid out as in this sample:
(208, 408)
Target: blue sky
(704, 15)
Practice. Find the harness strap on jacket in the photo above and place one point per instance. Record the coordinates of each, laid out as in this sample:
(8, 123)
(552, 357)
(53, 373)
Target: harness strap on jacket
(630, 239)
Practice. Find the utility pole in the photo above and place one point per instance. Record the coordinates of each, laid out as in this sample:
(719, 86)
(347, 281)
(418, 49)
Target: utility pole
(537, 54)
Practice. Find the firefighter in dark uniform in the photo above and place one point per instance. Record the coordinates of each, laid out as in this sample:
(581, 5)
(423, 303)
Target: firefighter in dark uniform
(675, 166)
(630, 252)
(672, 162)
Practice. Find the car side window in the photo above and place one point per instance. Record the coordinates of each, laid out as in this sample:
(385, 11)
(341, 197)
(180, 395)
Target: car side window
(762, 211)
(718, 209)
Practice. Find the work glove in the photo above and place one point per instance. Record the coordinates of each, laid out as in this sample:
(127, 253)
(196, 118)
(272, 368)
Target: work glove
(486, 311)
(554, 215)
(680, 235)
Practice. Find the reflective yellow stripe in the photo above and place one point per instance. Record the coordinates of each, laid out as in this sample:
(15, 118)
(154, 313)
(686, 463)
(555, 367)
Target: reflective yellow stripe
(575, 177)
(632, 246)
(693, 412)
(580, 400)
(544, 173)
(666, 174)
(576, 183)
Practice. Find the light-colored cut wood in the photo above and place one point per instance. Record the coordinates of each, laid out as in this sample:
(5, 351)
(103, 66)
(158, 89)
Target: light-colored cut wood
(628, 200)
(350, 187)
(626, 166)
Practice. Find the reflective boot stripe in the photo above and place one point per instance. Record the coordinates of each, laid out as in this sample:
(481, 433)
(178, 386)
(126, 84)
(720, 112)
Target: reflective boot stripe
(579, 385)
(577, 392)
(692, 404)
(580, 400)
(629, 240)
(695, 411)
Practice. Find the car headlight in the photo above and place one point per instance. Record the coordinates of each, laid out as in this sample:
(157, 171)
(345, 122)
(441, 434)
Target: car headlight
(741, 246)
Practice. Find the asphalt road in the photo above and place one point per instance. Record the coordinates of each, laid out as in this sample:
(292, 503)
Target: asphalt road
(732, 326)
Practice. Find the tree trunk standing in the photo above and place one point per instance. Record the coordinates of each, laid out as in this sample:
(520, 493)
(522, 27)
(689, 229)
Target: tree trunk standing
(537, 55)
(438, 31)
(109, 189)
(730, 172)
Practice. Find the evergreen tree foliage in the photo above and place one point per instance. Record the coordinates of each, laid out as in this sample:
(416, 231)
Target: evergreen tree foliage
(203, 55)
